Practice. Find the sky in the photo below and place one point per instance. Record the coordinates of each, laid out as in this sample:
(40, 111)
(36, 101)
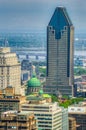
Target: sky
(34, 15)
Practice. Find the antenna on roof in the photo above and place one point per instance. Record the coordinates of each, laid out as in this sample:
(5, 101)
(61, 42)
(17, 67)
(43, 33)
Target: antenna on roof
(6, 43)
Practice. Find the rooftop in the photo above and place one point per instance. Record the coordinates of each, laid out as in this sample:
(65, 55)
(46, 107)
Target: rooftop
(25, 113)
(44, 104)
(15, 113)
(77, 108)
(4, 49)
(80, 104)
(34, 96)
(59, 20)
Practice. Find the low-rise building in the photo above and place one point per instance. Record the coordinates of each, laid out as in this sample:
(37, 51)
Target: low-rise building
(81, 89)
(72, 123)
(19, 121)
(78, 111)
(10, 101)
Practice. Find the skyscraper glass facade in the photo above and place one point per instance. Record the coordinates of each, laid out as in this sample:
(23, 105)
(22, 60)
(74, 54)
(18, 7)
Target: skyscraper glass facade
(60, 40)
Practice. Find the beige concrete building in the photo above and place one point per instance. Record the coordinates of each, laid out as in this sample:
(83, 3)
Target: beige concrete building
(11, 120)
(49, 115)
(10, 70)
(72, 123)
(10, 101)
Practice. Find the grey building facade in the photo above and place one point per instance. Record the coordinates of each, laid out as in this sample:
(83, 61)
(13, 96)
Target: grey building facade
(60, 51)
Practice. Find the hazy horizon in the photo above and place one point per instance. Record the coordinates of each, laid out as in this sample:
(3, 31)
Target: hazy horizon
(34, 15)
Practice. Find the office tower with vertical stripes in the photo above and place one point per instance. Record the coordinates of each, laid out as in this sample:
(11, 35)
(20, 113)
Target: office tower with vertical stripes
(60, 51)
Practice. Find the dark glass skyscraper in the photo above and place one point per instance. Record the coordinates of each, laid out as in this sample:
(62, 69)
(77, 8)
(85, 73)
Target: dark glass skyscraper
(60, 42)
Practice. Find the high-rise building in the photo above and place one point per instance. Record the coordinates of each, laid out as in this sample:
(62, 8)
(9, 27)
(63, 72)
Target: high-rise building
(10, 70)
(60, 42)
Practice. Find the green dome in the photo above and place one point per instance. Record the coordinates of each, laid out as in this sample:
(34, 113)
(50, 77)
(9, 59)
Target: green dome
(34, 82)
(41, 92)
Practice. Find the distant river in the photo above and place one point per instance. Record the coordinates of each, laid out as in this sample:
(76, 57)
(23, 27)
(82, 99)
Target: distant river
(81, 53)
(43, 51)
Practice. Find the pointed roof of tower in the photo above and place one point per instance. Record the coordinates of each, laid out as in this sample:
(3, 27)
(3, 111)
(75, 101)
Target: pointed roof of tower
(59, 20)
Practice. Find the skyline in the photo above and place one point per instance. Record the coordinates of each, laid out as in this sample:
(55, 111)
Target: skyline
(30, 15)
